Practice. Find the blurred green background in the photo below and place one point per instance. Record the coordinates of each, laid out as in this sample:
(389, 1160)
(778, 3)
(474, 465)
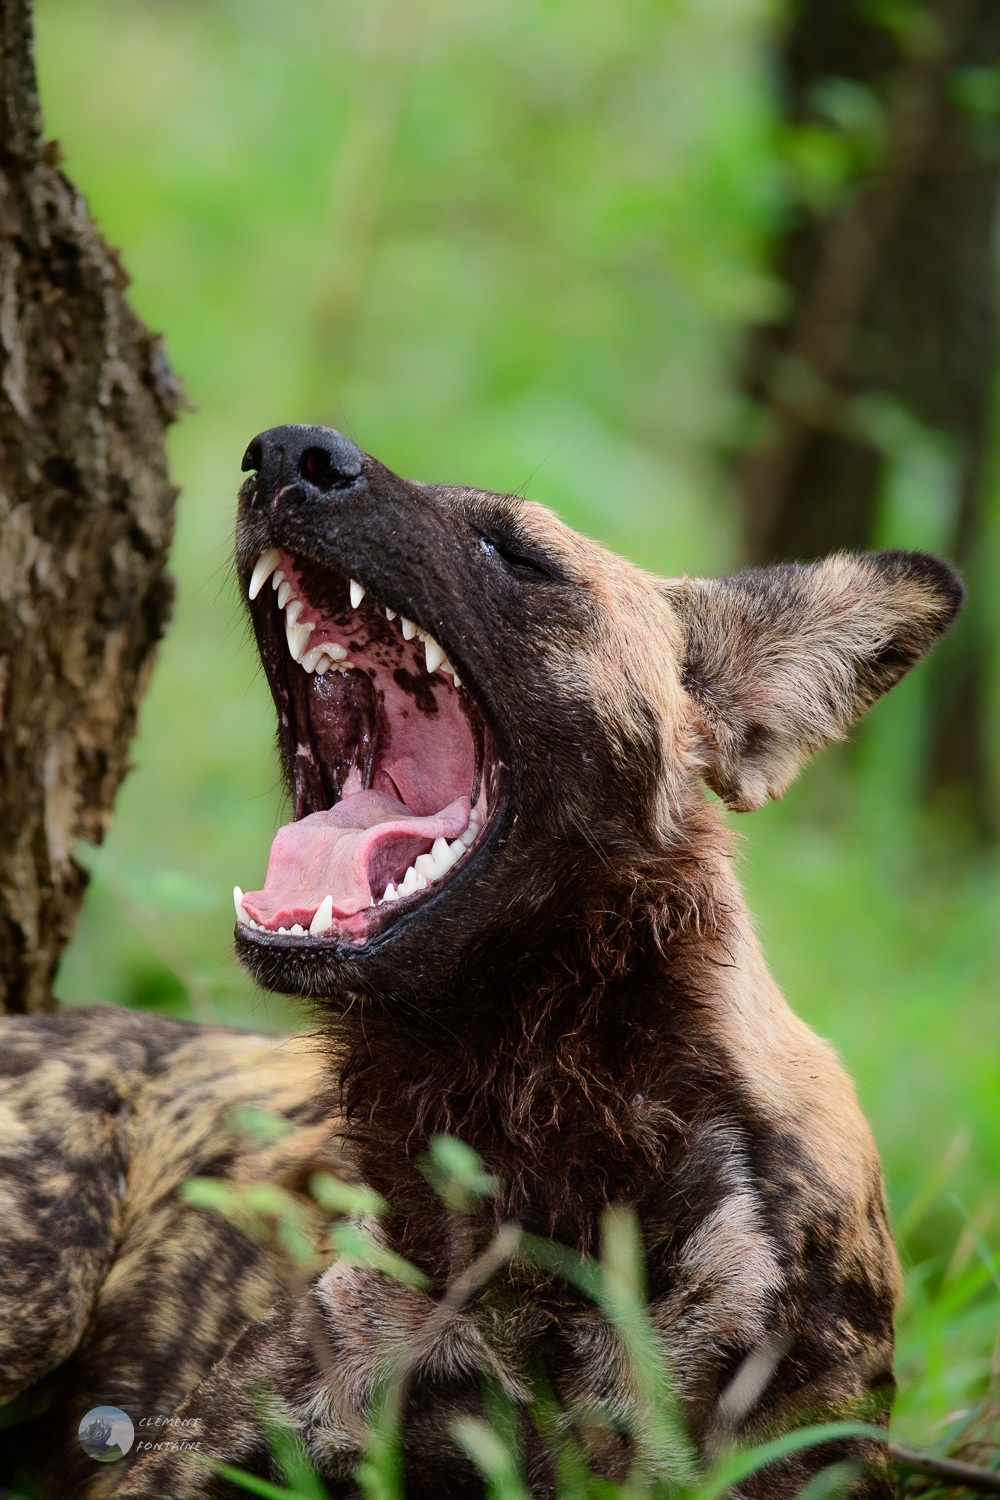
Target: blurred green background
(513, 243)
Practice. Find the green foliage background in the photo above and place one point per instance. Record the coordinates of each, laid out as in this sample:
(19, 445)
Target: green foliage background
(514, 243)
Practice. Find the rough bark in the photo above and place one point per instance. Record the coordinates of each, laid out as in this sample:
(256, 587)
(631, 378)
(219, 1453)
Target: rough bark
(86, 510)
(894, 292)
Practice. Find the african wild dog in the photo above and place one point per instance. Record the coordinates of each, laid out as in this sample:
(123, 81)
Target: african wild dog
(514, 909)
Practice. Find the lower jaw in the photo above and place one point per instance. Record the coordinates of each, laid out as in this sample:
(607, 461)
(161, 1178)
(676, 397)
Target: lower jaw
(426, 871)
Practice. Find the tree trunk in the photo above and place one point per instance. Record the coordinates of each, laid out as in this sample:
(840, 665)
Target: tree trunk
(86, 510)
(892, 292)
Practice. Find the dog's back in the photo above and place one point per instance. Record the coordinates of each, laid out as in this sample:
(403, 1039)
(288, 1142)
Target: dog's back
(115, 1291)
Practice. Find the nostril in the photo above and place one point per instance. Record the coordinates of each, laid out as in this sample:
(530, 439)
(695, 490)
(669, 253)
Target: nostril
(317, 467)
(252, 458)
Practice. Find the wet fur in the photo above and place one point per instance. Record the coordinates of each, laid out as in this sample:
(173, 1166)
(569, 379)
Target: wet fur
(585, 1004)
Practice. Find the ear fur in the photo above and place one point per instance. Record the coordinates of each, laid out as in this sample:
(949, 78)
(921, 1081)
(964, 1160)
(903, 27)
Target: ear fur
(780, 660)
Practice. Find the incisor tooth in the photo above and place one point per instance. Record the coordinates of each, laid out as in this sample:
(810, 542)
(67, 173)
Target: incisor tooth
(408, 628)
(263, 568)
(357, 593)
(285, 592)
(433, 655)
(323, 920)
(312, 658)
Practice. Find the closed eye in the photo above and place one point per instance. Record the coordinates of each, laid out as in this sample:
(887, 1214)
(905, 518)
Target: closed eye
(520, 562)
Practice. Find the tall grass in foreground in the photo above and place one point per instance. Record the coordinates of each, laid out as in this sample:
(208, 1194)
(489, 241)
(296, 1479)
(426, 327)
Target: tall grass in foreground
(948, 1333)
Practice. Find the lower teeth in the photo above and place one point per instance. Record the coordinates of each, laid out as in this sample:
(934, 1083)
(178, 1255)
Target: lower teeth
(432, 866)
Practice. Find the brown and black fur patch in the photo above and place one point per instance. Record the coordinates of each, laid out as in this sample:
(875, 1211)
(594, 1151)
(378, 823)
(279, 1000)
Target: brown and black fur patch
(583, 1002)
(113, 1290)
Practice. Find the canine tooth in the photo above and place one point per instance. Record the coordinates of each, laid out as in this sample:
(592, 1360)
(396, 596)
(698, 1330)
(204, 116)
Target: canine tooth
(242, 915)
(278, 579)
(408, 628)
(296, 930)
(390, 614)
(323, 919)
(263, 568)
(285, 593)
(433, 655)
(294, 610)
(357, 593)
(297, 636)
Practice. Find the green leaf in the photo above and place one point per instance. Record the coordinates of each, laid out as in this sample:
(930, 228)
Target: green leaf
(208, 1192)
(356, 1246)
(492, 1457)
(344, 1197)
(740, 1465)
(253, 1120)
(456, 1174)
(262, 1487)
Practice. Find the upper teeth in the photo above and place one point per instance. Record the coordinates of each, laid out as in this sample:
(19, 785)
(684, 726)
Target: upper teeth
(265, 566)
(298, 636)
(321, 656)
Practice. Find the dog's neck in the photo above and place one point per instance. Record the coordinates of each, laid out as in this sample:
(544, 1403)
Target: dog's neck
(550, 1063)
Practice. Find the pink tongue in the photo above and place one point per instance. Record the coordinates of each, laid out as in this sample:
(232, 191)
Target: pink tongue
(351, 853)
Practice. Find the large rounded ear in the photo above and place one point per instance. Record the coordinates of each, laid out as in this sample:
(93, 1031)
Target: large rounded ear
(780, 660)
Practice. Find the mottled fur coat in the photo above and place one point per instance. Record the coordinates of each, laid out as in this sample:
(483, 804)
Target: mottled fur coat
(512, 906)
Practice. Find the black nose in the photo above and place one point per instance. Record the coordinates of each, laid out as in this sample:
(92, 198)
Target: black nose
(317, 458)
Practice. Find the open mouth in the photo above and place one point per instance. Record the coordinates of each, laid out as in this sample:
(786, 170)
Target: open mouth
(390, 762)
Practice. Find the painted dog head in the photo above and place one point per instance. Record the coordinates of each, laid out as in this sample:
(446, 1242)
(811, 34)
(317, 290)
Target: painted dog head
(489, 723)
